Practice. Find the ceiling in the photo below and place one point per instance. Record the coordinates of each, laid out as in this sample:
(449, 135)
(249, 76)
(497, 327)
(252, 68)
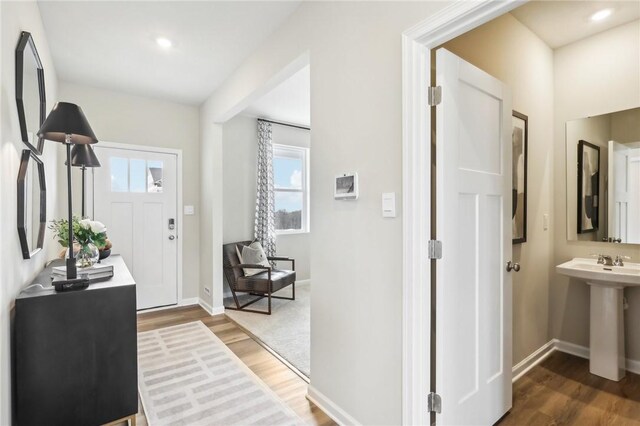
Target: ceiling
(112, 44)
(559, 23)
(289, 102)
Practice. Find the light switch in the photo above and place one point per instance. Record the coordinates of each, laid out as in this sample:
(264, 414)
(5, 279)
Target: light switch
(189, 210)
(545, 221)
(389, 204)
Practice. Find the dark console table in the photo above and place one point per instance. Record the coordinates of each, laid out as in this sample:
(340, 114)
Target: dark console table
(76, 352)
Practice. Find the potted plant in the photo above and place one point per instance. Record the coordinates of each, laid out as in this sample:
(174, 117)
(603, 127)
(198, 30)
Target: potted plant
(89, 237)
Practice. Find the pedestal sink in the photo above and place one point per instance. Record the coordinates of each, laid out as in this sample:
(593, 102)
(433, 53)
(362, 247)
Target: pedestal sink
(606, 332)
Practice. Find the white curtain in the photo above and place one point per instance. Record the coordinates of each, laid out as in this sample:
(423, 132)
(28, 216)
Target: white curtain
(264, 230)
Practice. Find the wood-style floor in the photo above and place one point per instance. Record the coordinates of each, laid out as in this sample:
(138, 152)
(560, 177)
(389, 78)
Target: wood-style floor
(561, 391)
(284, 382)
(558, 391)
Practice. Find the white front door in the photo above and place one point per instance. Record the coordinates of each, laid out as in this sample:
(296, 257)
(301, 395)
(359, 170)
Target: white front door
(473, 221)
(135, 196)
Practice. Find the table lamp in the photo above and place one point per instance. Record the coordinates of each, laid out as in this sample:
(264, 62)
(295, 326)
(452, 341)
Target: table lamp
(82, 156)
(67, 124)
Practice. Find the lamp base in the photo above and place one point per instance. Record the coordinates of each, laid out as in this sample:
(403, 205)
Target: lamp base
(71, 284)
(72, 269)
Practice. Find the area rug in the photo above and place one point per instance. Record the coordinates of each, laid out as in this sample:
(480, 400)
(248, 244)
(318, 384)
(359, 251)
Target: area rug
(287, 330)
(188, 376)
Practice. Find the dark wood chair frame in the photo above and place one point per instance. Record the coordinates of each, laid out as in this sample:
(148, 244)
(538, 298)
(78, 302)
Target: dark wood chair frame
(261, 295)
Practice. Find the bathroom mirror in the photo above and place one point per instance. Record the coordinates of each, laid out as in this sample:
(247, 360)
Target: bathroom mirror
(603, 178)
(32, 204)
(30, 94)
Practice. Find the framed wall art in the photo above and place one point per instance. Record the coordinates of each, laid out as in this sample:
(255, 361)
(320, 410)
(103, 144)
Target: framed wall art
(588, 187)
(520, 141)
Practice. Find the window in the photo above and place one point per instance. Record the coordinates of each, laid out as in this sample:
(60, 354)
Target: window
(291, 188)
(135, 175)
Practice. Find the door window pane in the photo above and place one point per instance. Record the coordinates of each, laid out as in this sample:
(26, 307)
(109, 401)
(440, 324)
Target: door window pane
(288, 210)
(138, 176)
(119, 168)
(287, 172)
(154, 176)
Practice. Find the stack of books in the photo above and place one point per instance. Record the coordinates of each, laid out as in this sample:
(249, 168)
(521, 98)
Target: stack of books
(94, 273)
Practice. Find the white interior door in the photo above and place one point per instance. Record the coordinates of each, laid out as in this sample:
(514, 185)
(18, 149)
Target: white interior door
(135, 196)
(618, 175)
(473, 288)
(633, 221)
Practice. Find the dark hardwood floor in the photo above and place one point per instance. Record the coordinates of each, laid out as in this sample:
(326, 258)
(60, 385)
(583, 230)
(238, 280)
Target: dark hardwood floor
(284, 382)
(561, 391)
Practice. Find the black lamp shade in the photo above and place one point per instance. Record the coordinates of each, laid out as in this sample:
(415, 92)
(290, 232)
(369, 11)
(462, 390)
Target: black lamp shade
(67, 119)
(82, 155)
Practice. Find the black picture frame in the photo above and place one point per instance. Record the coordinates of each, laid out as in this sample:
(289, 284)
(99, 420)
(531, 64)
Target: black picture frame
(520, 141)
(588, 201)
(26, 41)
(27, 156)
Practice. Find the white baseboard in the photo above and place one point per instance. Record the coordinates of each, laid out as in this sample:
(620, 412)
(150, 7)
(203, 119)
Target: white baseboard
(189, 301)
(332, 410)
(559, 345)
(571, 348)
(632, 365)
(218, 310)
(183, 302)
(532, 360)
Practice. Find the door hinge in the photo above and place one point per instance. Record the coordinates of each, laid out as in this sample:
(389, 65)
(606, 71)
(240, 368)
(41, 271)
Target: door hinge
(434, 95)
(435, 249)
(434, 403)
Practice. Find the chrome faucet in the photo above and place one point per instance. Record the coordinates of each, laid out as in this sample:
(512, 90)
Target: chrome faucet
(619, 260)
(605, 259)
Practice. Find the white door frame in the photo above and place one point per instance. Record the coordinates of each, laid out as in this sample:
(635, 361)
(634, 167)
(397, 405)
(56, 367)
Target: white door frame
(179, 208)
(417, 42)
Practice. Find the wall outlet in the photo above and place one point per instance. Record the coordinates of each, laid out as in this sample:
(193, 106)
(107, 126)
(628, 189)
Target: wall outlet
(207, 290)
(545, 221)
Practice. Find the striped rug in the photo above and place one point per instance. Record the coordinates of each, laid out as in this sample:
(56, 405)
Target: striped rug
(188, 376)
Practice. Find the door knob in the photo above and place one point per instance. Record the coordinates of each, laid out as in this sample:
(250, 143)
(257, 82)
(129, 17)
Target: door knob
(172, 237)
(513, 266)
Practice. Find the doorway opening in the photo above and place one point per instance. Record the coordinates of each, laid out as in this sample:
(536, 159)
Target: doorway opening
(267, 156)
(506, 43)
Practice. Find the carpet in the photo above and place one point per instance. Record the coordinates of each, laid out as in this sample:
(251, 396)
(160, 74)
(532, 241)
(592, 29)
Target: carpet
(287, 330)
(188, 376)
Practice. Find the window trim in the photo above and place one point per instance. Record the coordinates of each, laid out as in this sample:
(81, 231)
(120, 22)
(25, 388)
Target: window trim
(296, 152)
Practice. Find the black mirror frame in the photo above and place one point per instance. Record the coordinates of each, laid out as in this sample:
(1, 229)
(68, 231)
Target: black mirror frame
(28, 155)
(27, 40)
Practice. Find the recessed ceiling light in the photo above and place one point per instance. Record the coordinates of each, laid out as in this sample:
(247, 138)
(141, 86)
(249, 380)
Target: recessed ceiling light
(601, 14)
(163, 42)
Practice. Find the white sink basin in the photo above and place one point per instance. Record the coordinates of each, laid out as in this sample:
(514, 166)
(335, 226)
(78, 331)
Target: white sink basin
(590, 271)
(606, 328)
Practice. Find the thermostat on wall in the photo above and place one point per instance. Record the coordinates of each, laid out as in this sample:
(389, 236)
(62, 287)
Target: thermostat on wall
(346, 187)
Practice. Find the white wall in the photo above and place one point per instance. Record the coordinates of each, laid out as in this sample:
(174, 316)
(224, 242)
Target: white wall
(356, 255)
(16, 273)
(240, 146)
(211, 214)
(594, 76)
(123, 118)
(510, 52)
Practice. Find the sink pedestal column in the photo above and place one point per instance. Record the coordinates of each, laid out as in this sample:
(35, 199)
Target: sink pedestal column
(607, 358)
